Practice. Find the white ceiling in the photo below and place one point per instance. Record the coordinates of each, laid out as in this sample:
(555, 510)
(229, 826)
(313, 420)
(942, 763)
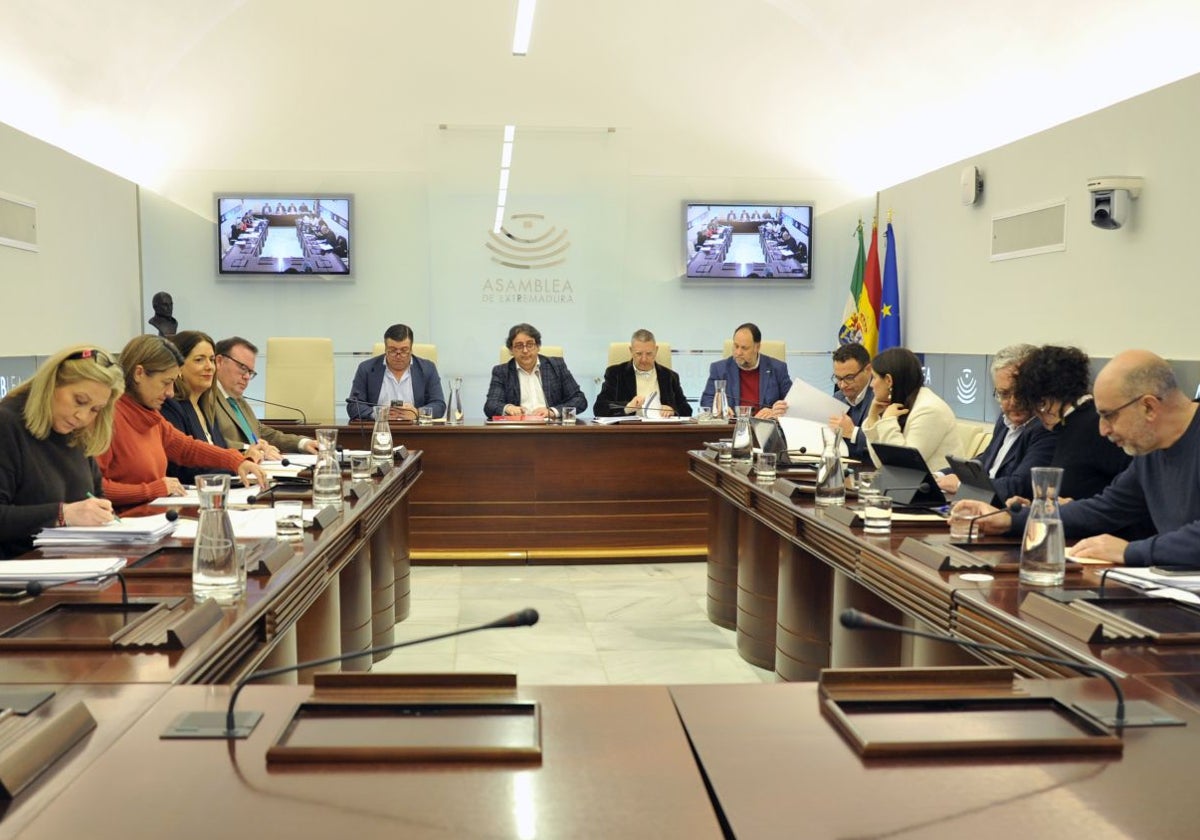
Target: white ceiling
(862, 92)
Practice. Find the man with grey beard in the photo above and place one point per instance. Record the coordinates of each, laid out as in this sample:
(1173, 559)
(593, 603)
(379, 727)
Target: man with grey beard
(1141, 410)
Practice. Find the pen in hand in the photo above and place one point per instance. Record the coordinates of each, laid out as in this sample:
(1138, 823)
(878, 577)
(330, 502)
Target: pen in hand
(115, 517)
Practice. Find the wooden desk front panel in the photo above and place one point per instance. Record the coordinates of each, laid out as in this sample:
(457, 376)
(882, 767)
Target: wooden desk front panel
(615, 764)
(580, 490)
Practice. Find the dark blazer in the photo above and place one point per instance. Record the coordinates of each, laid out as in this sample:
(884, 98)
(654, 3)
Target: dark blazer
(620, 386)
(1034, 447)
(226, 422)
(773, 381)
(182, 416)
(858, 413)
(368, 381)
(558, 385)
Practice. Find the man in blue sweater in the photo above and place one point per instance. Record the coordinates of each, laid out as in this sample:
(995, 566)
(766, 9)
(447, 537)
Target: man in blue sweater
(1142, 410)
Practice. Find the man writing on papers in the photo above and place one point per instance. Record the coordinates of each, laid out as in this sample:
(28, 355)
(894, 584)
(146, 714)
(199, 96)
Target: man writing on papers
(750, 377)
(1142, 410)
(628, 384)
(236, 358)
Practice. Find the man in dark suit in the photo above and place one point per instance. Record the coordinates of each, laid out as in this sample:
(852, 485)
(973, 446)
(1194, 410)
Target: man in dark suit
(750, 377)
(628, 384)
(398, 379)
(1019, 440)
(233, 416)
(852, 375)
(529, 383)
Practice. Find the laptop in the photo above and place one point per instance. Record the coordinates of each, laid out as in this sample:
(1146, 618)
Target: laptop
(904, 475)
(974, 481)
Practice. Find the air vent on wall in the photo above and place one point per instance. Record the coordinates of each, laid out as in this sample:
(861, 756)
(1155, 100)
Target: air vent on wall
(18, 222)
(1033, 230)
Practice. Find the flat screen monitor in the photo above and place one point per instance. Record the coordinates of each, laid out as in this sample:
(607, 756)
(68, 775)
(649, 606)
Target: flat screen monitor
(286, 236)
(747, 241)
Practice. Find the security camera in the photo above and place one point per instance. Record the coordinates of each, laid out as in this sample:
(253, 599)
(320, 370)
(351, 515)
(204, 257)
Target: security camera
(1110, 199)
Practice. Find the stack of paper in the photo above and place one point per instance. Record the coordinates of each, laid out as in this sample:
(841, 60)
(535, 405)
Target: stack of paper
(253, 523)
(51, 570)
(190, 498)
(132, 529)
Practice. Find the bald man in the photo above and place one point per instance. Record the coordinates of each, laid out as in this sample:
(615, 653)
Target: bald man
(1141, 410)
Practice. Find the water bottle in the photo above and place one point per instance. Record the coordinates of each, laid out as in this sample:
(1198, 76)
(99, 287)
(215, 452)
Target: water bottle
(454, 410)
(215, 572)
(831, 483)
(327, 472)
(1043, 552)
(720, 403)
(381, 437)
(743, 440)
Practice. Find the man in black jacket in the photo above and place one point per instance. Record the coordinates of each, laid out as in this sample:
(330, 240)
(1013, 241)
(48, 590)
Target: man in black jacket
(628, 384)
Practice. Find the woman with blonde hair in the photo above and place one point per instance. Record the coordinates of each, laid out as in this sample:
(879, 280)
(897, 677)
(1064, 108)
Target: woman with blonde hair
(51, 429)
(143, 442)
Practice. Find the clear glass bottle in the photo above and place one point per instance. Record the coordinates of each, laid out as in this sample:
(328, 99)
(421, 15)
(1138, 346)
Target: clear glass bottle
(454, 409)
(1043, 551)
(215, 572)
(381, 437)
(327, 472)
(831, 482)
(743, 439)
(720, 403)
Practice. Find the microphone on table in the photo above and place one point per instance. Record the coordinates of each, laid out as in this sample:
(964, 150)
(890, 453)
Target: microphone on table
(1011, 507)
(300, 411)
(525, 618)
(853, 619)
(33, 588)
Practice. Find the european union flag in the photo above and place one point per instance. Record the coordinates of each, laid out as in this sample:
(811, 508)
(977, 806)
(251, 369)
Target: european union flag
(889, 305)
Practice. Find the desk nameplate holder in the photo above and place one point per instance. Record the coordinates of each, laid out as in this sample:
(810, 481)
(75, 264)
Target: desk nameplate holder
(1110, 620)
(942, 556)
(159, 624)
(29, 747)
(953, 711)
(326, 516)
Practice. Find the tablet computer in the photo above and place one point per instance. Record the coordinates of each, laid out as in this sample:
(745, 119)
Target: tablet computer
(904, 475)
(974, 481)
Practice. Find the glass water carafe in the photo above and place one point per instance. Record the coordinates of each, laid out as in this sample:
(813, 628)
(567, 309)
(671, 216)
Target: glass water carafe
(720, 402)
(454, 409)
(327, 472)
(831, 482)
(1043, 552)
(215, 572)
(381, 437)
(743, 439)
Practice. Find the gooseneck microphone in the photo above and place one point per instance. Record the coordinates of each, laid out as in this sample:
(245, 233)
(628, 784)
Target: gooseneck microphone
(525, 618)
(300, 411)
(33, 588)
(1011, 507)
(852, 619)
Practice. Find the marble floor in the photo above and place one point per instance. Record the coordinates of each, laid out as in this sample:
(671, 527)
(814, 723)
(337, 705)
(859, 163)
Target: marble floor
(599, 625)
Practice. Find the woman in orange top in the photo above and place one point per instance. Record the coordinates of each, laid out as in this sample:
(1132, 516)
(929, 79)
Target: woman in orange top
(143, 442)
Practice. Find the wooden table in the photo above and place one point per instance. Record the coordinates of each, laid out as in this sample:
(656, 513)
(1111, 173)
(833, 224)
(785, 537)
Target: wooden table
(615, 764)
(552, 494)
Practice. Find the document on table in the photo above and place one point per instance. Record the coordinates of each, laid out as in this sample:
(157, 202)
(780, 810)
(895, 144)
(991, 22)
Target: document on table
(805, 401)
(804, 436)
(130, 529)
(56, 569)
(1177, 587)
(249, 524)
(237, 496)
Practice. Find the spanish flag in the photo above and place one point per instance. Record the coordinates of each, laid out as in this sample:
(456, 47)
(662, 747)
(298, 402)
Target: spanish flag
(860, 320)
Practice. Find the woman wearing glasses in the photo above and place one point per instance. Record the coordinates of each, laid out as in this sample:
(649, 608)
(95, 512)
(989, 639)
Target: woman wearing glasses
(143, 442)
(906, 413)
(51, 429)
(1056, 381)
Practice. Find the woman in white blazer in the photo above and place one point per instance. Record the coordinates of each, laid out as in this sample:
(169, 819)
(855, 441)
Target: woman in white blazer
(906, 413)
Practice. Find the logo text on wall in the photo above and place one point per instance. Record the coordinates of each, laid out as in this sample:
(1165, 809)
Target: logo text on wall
(527, 242)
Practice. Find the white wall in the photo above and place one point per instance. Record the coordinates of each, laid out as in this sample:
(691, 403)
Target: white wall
(1109, 290)
(81, 286)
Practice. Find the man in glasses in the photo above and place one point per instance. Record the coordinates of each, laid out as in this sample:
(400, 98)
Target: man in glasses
(852, 375)
(530, 384)
(236, 360)
(397, 379)
(1019, 440)
(750, 377)
(1141, 409)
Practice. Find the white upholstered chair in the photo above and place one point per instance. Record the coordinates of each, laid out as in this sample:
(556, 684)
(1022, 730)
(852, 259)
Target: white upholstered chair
(425, 351)
(770, 347)
(618, 352)
(300, 374)
(545, 350)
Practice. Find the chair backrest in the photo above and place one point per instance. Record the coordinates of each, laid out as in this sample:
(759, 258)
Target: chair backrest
(545, 350)
(300, 374)
(770, 347)
(425, 351)
(618, 352)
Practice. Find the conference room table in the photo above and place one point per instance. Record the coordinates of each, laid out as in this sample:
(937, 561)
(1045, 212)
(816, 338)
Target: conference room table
(547, 493)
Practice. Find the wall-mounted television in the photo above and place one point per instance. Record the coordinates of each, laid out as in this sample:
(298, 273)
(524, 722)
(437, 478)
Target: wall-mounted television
(284, 235)
(742, 240)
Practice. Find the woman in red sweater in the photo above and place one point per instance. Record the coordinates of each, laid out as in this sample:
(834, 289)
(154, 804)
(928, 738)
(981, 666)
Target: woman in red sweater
(135, 465)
